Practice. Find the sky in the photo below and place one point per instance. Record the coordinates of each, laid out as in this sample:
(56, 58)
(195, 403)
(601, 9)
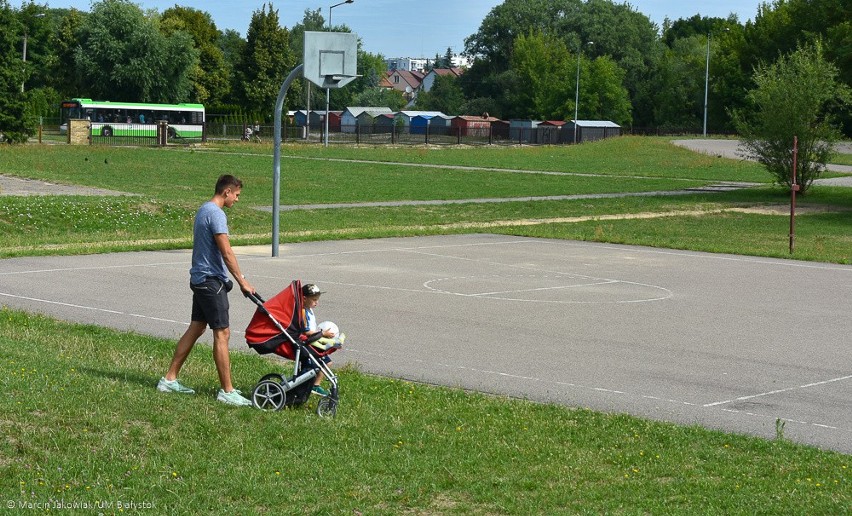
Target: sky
(412, 28)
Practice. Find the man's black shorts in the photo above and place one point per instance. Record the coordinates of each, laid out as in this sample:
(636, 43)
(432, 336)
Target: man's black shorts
(210, 302)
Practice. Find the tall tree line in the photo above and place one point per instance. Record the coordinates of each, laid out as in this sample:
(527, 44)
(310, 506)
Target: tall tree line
(532, 59)
(528, 53)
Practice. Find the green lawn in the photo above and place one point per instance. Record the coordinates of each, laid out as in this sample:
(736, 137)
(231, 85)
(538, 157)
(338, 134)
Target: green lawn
(170, 184)
(83, 423)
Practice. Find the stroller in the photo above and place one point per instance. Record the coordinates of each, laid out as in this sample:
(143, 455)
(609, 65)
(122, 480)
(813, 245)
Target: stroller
(265, 334)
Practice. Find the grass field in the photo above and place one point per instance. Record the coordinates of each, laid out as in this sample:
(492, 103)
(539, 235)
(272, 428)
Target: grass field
(83, 424)
(169, 185)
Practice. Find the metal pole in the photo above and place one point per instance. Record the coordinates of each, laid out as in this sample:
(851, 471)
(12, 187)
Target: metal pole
(276, 157)
(577, 94)
(793, 189)
(577, 90)
(24, 57)
(327, 90)
(706, 83)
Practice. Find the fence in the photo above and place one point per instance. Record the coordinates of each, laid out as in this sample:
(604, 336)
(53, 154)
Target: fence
(132, 134)
(221, 128)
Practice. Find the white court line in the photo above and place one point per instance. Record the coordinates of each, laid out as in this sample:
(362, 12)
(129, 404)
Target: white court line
(94, 309)
(609, 247)
(92, 268)
(518, 291)
(788, 389)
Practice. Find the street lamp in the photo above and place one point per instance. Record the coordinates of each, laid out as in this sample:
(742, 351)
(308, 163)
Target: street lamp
(24, 56)
(327, 90)
(707, 81)
(577, 90)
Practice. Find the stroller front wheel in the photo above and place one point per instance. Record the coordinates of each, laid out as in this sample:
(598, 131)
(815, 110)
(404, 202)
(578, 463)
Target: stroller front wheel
(269, 396)
(327, 407)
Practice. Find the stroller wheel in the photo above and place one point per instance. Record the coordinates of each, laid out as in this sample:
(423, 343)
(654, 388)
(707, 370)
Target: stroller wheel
(269, 395)
(327, 407)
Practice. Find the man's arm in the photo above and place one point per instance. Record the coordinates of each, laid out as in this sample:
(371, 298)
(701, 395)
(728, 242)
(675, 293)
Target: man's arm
(224, 245)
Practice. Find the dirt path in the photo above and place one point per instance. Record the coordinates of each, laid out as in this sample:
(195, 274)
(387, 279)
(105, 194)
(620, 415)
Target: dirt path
(25, 187)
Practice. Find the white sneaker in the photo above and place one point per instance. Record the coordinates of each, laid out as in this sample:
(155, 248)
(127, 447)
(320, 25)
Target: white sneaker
(173, 386)
(234, 397)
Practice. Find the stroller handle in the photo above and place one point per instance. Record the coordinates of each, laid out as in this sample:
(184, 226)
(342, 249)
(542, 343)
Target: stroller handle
(255, 298)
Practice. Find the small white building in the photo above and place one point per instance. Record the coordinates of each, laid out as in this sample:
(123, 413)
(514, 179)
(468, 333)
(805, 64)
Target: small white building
(408, 64)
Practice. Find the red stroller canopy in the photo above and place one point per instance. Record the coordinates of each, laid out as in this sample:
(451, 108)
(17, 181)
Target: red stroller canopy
(278, 315)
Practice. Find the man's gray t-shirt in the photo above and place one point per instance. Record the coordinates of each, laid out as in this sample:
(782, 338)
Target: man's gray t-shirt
(206, 257)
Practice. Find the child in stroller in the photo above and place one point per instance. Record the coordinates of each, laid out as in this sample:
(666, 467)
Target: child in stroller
(277, 327)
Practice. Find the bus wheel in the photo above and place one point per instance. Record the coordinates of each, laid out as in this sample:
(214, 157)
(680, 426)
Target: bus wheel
(172, 132)
(106, 131)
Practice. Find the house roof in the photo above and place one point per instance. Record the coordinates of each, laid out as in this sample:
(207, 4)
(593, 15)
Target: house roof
(471, 118)
(413, 79)
(456, 71)
(412, 114)
(555, 123)
(356, 111)
(385, 82)
(596, 123)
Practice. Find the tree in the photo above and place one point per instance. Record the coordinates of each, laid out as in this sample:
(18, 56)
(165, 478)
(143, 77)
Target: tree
(210, 78)
(797, 95)
(14, 127)
(38, 27)
(380, 97)
(783, 25)
(267, 60)
(604, 96)
(65, 77)
(233, 48)
(617, 30)
(542, 65)
(122, 55)
(371, 67)
(445, 96)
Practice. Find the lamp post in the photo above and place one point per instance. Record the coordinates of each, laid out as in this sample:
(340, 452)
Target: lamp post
(706, 84)
(24, 55)
(327, 90)
(707, 81)
(577, 90)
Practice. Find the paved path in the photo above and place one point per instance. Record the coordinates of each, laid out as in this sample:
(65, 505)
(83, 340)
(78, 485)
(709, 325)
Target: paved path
(728, 342)
(730, 149)
(719, 187)
(25, 187)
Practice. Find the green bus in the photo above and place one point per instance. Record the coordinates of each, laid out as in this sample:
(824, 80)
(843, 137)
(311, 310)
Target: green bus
(135, 118)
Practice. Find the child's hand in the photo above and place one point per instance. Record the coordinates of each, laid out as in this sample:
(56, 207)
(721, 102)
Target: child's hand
(328, 334)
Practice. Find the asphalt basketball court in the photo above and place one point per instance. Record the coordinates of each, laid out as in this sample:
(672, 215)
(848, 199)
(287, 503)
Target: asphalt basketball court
(727, 342)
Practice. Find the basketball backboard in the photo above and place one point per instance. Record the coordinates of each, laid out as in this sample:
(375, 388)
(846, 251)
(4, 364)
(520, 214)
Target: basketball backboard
(331, 58)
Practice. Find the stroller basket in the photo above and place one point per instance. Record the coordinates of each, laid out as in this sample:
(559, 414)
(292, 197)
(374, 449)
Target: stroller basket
(276, 328)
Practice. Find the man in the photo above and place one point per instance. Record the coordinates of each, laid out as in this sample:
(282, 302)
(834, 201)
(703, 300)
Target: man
(211, 254)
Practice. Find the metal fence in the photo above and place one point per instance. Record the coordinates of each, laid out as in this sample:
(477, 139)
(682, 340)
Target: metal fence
(137, 135)
(222, 128)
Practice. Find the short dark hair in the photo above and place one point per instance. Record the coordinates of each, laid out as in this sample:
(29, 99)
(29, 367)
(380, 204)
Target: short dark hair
(227, 181)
